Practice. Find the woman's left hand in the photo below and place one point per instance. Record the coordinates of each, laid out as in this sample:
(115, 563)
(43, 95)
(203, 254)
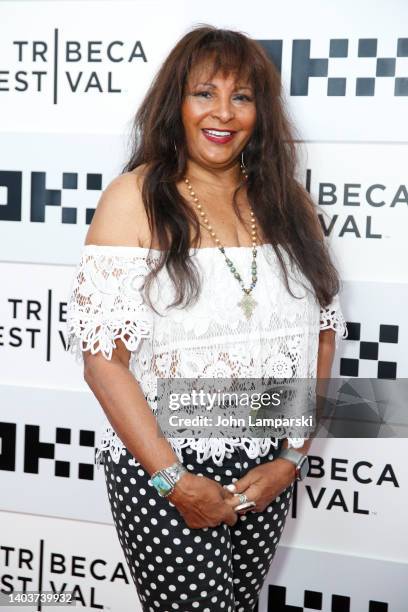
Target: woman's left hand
(264, 483)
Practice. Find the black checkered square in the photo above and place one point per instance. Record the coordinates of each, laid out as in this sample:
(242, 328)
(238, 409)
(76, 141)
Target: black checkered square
(370, 349)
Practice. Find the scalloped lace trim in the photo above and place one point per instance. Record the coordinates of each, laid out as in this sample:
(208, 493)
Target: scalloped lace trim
(94, 336)
(214, 448)
(106, 303)
(332, 317)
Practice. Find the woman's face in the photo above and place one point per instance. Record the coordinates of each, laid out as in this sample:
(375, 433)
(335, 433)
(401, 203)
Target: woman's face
(219, 117)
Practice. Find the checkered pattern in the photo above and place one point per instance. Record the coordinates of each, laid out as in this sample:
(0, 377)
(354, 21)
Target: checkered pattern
(43, 197)
(369, 360)
(305, 67)
(315, 600)
(36, 449)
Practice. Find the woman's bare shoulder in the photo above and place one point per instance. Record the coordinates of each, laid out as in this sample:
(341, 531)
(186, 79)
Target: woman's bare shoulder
(120, 217)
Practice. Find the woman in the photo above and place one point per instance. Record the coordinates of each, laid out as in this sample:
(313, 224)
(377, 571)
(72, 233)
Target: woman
(204, 259)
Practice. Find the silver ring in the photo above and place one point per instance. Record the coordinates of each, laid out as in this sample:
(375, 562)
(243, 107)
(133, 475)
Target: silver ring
(242, 498)
(246, 506)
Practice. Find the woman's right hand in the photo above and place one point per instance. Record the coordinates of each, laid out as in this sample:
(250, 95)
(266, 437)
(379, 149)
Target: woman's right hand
(202, 502)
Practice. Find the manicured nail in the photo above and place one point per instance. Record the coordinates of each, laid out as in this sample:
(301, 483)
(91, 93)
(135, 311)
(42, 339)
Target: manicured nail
(230, 487)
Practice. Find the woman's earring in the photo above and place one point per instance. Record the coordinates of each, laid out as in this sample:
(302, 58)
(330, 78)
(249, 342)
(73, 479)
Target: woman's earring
(175, 147)
(243, 167)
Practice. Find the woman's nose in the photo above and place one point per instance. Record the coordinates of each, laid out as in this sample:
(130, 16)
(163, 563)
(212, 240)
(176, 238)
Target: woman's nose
(223, 109)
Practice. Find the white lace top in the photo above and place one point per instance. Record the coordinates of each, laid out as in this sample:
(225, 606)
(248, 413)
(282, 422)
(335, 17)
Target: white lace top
(209, 339)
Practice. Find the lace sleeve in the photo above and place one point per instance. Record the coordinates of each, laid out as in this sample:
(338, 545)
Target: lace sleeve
(105, 301)
(331, 317)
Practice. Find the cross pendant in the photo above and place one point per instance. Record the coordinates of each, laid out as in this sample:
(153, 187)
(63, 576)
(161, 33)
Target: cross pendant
(247, 304)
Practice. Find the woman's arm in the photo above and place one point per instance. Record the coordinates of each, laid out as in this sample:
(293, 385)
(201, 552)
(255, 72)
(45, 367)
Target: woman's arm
(126, 408)
(118, 221)
(326, 351)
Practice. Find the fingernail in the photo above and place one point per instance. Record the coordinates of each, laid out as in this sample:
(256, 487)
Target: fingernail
(230, 487)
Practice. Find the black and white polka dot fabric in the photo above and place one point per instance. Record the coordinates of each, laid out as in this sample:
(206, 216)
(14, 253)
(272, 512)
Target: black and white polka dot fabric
(178, 568)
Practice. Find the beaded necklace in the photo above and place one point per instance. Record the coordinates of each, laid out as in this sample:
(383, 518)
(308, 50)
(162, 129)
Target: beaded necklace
(247, 303)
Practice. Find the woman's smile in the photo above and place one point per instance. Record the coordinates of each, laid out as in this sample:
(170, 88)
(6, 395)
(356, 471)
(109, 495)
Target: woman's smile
(218, 136)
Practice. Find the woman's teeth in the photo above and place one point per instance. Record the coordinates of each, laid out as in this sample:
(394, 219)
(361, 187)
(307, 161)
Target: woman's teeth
(218, 133)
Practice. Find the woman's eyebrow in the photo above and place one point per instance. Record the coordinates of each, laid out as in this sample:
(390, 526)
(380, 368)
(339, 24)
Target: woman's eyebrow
(214, 86)
(205, 83)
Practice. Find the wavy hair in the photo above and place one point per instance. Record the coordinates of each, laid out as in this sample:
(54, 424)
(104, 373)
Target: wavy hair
(282, 206)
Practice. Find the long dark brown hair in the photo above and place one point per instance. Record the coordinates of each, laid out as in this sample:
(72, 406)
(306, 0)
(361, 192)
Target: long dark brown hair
(283, 207)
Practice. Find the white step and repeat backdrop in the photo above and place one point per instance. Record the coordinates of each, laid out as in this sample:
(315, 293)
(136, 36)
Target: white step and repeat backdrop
(71, 76)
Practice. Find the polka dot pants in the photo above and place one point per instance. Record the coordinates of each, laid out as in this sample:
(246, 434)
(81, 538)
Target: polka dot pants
(177, 568)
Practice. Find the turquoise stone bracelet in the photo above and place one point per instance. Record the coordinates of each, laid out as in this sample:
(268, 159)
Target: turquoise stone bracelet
(162, 486)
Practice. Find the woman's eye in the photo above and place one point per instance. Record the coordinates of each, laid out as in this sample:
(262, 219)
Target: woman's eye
(204, 94)
(244, 97)
(208, 94)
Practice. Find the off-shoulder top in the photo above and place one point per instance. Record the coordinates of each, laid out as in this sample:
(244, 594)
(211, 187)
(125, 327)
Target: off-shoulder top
(209, 339)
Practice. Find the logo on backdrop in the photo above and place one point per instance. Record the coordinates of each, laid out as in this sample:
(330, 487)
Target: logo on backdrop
(341, 498)
(36, 448)
(313, 600)
(355, 195)
(57, 66)
(368, 352)
(34, 568)
(33, 323)
(306, 67)
(43, 196)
